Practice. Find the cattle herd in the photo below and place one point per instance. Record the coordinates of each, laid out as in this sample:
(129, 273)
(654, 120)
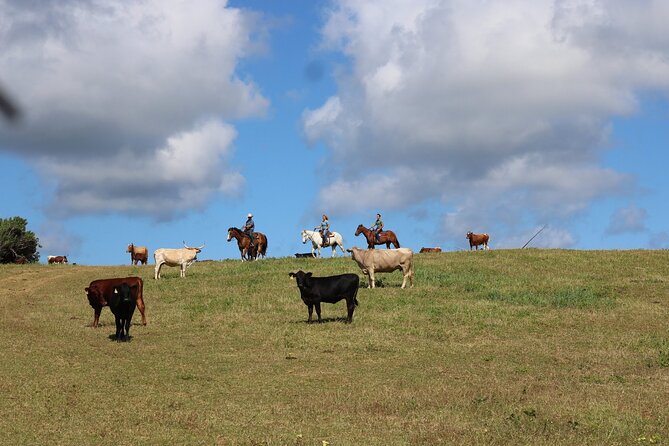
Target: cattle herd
(123, 295)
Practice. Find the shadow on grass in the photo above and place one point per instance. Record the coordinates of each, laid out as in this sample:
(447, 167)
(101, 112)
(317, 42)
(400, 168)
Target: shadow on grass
(112, 337)
(325, 320)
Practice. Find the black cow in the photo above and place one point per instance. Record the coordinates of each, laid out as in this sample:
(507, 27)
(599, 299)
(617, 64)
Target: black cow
(122, 304)
(304, 255)
(332, 289)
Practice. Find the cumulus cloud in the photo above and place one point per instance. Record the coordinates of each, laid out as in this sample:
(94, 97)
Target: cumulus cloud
(629, 219)
(500, 109)
(125, 102)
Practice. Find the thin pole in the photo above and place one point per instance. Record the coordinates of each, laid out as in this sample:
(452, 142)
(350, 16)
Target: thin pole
(528, 242)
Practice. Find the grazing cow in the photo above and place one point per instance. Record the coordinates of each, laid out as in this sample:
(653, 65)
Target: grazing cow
(138, 254)
(372, 261)
(101, 291)
(122, 304)
(57, 259)
(332, 289)
(477, 239)
(181, 257)
(305, 255)
(430, 249)
(20, 260)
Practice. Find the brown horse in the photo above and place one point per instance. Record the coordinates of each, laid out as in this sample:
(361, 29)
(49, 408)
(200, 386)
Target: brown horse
(260, 245)
(385, 237)
(247, 251)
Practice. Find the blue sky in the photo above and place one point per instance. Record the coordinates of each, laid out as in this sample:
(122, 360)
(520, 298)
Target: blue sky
(161, 121)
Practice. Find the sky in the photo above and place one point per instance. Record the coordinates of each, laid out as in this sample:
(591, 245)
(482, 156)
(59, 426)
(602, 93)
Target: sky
(160, 122)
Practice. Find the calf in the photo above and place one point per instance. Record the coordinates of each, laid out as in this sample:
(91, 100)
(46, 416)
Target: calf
(122, 304)
(304, 255)
(430, 249)
(477, 239)
(101, 291)
(332, 289)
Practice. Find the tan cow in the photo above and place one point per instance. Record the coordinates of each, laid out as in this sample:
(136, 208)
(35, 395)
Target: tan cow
(181, 257)
(138, 254)
(372, 261)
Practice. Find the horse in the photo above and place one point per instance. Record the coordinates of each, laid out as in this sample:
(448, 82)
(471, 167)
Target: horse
(385, 237)
(260, 245)
(317, 241)
(244, 243)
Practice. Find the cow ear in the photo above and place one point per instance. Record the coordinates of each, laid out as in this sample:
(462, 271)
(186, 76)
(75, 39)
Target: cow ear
(86, 289)
(308, 274)
(291, 274)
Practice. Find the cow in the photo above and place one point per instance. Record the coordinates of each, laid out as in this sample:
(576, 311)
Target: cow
(422, 250)
(57, 259)
(138, 254)
(372, 261)
(181, 257)
(101, 291)
(331, 289)
(122, 303)
(305, 255)
(477, 239)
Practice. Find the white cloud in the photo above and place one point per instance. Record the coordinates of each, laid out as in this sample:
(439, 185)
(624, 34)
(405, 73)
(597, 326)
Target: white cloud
(509, 101)
(115, 96)
(629, 219)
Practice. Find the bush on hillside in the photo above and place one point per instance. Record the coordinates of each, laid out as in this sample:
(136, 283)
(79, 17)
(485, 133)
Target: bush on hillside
(17, 245)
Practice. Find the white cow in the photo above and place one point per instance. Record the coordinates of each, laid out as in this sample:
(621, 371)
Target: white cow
(317, 241)
(372, 261)
(182, 257)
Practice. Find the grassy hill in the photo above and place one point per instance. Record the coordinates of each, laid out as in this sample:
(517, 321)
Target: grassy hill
(501, 347)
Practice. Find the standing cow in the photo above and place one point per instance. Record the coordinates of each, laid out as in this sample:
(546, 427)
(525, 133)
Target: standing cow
(477, 239)
(331, 289)
(100, 292)
(138, 254)
(122, 303)
(181, 257)
(57, 259)
(372, 261)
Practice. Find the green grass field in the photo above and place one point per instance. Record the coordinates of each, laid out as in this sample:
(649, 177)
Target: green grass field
(539, 347)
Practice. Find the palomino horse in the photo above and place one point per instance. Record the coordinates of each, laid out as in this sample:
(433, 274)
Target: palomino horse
(317, 241)
(244, 243)
(385, 237)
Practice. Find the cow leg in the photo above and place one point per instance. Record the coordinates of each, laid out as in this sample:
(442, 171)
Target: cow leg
(140, 307)
(350, 306)
(156, 271)
(119, 329)
(318, 311)
(96, 319)
(311, 311)
(372, 281)
(127, 328)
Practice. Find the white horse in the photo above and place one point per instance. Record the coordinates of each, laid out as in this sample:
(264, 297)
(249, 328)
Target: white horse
(317, 241)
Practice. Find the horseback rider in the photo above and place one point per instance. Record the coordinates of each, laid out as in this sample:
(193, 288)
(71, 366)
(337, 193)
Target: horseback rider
(377, 227)
(324, 229)
(249, 226)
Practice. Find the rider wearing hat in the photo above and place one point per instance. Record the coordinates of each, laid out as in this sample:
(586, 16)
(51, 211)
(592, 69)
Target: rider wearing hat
(249, 226)
(377, 227)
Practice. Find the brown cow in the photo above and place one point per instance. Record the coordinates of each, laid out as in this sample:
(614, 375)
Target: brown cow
(57, 259)
(100, 292)
(430, 249)
(138, 254)
(477, 239)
